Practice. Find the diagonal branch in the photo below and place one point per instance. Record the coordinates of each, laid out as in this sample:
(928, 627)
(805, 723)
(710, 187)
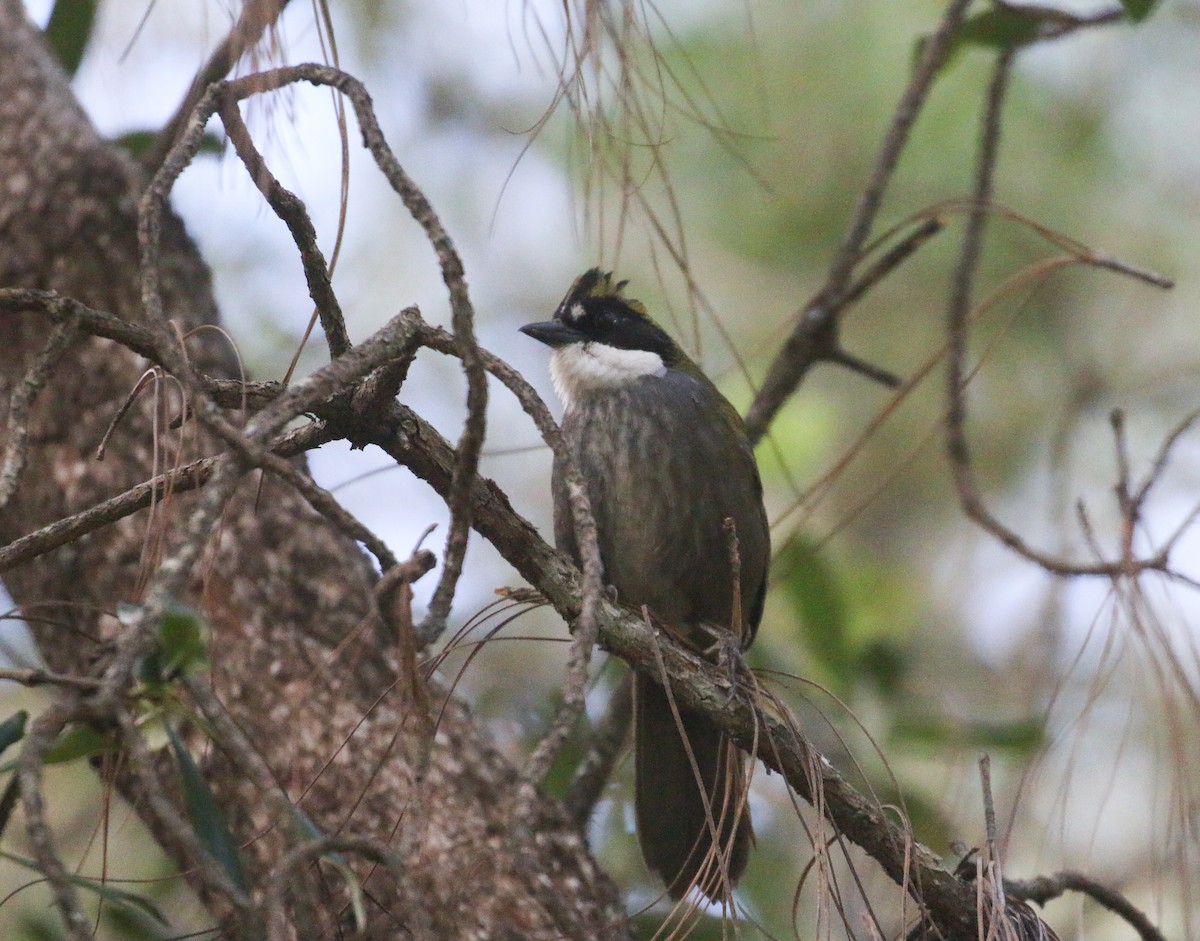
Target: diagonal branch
(816, 331)
(1046, 888)
(698, 685)
(288, 207)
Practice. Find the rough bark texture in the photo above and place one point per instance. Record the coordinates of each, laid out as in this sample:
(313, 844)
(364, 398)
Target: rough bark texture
(279, 588)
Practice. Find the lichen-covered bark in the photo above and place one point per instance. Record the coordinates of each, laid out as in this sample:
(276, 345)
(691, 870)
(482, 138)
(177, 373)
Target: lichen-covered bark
(278, 587)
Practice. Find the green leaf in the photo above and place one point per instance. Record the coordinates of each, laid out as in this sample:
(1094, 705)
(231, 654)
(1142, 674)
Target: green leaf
(12, 729)
(79, 741)
(131, 924)
(68, 31)
(310, 831)
(181, 649)
(997, 28)
(181, 636)
(39, 926)
(113, 896)
(138, 143)
(304, 822)
(1002, 27)
(1138, 10)
(357, 898)
(205, 815)
(8, 800)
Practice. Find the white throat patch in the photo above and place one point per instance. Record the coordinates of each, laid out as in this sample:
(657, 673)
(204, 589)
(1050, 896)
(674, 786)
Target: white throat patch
(584, 367)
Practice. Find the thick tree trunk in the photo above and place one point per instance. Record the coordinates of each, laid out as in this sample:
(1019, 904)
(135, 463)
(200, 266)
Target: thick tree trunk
(279, 587)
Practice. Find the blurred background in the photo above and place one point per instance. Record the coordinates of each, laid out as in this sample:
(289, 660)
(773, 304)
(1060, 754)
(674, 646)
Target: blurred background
(908, 641)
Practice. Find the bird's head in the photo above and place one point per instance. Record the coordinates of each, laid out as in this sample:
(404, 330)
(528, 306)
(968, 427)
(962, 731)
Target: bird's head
(603, 339)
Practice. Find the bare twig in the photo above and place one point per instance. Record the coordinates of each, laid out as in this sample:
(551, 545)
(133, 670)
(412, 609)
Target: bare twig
(242, 394)
(584, 628)
(35, 677)
(890, 260)
(1160, 459)
(63, 309)
(177, 575)
(230, 393)
(438, 339)
(462, 313)
(41, 735)
(382, 385)
(397, 580)
(188, 477)
(817, 327)
(959, 307)
(1077, 250)
(290, 209)
(327, 505)
(247, 449)
(148, 377)
(391, 342)
(386, 345)
(474, 501)
(703, 687)
(1045, 888)
(993, 865)
(256, 18)
(583, 639)
(825, 344)
(393, 606)
(171, 579)
(21, 401)
(463, 319)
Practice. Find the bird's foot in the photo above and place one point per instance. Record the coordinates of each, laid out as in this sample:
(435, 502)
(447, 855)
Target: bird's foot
(726, 651)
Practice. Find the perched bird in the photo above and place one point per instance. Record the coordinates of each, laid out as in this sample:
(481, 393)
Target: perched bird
(666, 463)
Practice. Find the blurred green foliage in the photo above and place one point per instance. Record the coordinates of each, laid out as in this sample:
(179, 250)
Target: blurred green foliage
(69, 30)
(182, 649)
(1138, 9)
(139, 143)
(12, 729)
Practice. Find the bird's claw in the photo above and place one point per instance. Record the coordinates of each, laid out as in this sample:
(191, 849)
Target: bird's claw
(726, 651)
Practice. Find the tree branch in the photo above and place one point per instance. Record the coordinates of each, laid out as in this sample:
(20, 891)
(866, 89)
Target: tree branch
(815, 334)
(288, 207)
(1045, 888)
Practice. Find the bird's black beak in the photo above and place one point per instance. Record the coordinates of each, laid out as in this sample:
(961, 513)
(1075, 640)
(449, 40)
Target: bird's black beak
(554, 333)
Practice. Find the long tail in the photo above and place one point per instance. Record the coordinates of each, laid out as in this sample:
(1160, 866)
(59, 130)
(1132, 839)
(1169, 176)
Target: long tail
(676, 820)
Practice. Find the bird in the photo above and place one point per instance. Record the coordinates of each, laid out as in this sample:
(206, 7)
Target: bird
(678, 503)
